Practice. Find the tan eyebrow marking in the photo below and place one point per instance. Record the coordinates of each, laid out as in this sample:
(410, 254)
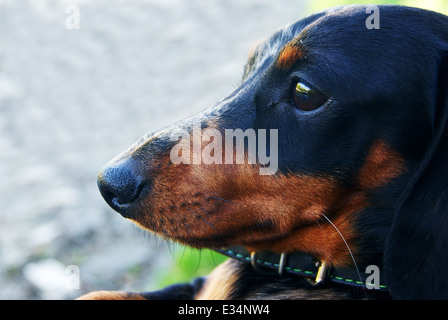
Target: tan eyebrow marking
(290, 54)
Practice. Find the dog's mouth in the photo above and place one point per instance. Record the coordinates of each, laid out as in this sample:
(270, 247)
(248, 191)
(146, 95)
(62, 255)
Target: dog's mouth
(203, 221)
(216, 206)
(189, 213)
(215, 222)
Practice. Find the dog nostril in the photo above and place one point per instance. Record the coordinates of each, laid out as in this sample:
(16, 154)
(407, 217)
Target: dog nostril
(112, 199)
(120, 186)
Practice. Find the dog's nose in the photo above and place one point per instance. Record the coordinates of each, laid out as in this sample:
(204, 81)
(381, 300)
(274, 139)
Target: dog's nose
(120, 185)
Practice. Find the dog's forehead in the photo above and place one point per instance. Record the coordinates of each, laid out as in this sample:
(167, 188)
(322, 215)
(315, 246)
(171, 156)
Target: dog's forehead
(395, 23)
(292, 35)
(338, 40)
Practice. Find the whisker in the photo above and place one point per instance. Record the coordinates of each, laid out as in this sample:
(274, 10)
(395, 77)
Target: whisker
(319, 225)
(171, 248)
(348, 247)
(183, 253)
(208, 214)
(225, 200)
(199, 261)
(213, 257)
(184, 221)
(208, 223)
(202, 219)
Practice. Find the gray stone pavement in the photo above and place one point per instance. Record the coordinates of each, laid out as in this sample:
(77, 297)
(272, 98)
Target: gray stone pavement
(70, 100)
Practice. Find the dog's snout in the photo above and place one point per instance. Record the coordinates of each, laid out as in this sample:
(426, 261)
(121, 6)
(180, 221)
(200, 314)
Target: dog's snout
(120, 185)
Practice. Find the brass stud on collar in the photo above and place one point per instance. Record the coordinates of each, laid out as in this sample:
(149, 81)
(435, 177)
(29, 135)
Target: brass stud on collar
(321, 274)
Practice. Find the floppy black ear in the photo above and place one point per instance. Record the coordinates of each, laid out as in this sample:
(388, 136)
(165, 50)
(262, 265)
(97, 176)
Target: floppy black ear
(416, 254)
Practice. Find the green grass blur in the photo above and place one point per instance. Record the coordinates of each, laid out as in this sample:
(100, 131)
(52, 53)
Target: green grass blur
(189, 263)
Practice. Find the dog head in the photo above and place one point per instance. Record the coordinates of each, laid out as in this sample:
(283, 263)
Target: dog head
(332, 121)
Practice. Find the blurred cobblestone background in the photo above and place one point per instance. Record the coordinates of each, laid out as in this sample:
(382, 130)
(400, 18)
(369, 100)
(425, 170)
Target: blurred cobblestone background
(70, 100)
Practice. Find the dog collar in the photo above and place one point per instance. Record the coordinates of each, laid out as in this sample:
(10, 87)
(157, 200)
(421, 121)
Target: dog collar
(303, 264)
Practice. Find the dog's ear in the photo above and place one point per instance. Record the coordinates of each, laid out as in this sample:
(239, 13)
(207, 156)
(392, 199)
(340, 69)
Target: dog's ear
(416, 253)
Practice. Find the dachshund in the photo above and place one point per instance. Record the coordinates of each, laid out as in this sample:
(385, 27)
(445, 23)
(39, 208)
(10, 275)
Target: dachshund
(343, 194)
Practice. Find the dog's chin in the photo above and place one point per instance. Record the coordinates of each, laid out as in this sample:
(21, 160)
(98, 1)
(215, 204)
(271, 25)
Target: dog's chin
(196, 239)
(201, 243)
(194, 242)
(209, 242)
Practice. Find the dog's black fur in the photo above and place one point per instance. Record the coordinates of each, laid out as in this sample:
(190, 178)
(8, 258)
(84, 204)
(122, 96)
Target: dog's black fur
(373, 158)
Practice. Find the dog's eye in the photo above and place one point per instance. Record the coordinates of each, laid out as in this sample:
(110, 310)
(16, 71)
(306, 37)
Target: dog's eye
(307, 98)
